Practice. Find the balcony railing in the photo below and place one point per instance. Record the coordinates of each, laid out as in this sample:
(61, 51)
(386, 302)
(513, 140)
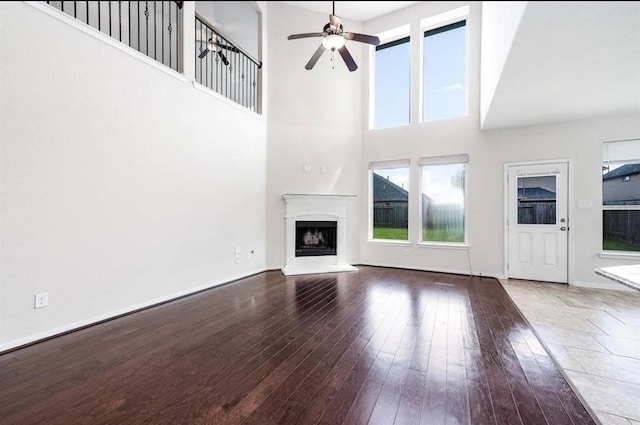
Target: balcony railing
(151, 27)
(225, 68)
(154, 29)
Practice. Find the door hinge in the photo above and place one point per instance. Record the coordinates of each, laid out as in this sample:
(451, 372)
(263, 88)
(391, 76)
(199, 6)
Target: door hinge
(507, 265)
(507, 222)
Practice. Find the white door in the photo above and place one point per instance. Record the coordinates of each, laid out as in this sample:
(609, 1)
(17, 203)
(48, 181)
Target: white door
(537, 222)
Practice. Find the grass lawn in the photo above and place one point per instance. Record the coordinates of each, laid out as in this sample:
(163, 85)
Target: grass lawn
(443, 235)
(611, 245)
(391, 233)
(428, 235)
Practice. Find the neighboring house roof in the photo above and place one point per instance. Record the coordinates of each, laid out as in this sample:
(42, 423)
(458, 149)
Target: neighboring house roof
(535, 193)
(385, 190)
(625, 170)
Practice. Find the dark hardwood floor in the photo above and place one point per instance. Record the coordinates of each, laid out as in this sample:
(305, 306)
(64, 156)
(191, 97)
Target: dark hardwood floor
(380, 346)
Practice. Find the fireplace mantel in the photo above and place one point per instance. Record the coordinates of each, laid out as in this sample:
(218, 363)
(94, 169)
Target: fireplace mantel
(314, 207)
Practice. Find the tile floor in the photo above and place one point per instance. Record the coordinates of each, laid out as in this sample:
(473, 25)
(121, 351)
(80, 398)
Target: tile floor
(594, 336)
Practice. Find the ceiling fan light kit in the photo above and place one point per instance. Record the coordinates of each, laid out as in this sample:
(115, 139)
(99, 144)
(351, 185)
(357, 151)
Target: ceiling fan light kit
(334, 38)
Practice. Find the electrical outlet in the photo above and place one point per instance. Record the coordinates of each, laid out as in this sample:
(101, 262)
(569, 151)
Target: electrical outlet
(406, 251)
(41, 300)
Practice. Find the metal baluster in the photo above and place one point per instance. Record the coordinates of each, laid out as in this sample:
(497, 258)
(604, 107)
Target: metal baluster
(120, 20)
(99, 19)
(155, 30)
(169, 28)
(129, 16)
(206, 58)
(109, 19)
(146, 19)
(162, 20)
(178, 37)
(87, 13)
(138, 15)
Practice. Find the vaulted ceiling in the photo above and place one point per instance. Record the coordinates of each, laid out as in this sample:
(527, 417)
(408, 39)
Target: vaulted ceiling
(569, 60)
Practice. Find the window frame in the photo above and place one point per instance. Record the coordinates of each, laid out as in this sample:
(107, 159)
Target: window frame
(392, 37)
(435, 23)
(609, 158)
(386, 165)
(445, 160)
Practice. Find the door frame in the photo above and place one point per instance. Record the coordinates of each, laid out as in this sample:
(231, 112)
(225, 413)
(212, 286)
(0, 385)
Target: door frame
(570, 203)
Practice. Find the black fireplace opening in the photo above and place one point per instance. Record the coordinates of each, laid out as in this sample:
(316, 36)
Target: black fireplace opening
(314, 238)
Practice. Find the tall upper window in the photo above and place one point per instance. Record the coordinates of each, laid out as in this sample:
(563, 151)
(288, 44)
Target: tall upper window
(445, 72)
(443, 198)
(392, 83)
(390, 200)
(621, 196)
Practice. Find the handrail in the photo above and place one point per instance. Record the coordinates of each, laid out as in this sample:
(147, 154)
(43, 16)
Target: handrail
(227, 39)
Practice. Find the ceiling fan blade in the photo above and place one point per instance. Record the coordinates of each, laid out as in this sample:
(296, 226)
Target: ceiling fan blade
(348, 59)
(335, 21)
(362, 38)
(203, 53)
(305, 35)
(233, 49)
(315, 57)
(223, 57)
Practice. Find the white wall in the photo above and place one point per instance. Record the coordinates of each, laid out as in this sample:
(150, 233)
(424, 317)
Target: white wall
(501, 20)
(121, 185)
(314, 118)
(580, 141)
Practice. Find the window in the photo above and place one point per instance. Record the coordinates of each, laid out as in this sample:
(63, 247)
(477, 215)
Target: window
(445, 72)
(389, 200)
(392, 83)
(443, 199)
(621, 196)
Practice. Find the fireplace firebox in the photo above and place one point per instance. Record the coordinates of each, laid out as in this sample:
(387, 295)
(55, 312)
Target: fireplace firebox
(316, 234)
(316, 238)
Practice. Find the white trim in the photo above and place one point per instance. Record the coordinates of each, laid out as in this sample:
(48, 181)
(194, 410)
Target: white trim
(444, 160)
(325, 268)
(435, 270)
(570, 201)
(465, 196)
(394, 34)
(620, 255)
(89, 30)
(389, 242)
(126, 310)
(444, 245)
(613, 286)
(620, 151)
(385, 165)
(445, 18)
(431, 23)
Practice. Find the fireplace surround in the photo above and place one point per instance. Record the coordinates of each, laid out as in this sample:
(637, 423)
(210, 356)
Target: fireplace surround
(316, 234)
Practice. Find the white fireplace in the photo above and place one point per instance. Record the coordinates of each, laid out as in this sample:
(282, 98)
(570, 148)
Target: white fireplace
(316, 234)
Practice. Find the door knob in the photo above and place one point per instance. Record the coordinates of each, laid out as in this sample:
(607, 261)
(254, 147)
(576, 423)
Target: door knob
(563, 228)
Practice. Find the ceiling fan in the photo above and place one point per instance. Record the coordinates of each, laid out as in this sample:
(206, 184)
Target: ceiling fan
(213, 45)
(333, 38)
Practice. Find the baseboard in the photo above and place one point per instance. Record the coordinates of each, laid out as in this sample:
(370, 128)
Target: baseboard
(613, 286)
(433, 269)
(72, 327)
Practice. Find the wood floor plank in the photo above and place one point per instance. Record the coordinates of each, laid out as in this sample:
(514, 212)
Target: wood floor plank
(380, 346)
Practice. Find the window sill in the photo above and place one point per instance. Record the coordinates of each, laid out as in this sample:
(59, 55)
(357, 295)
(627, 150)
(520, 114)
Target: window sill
(620, 255)
(444, 245)
(389, 242)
